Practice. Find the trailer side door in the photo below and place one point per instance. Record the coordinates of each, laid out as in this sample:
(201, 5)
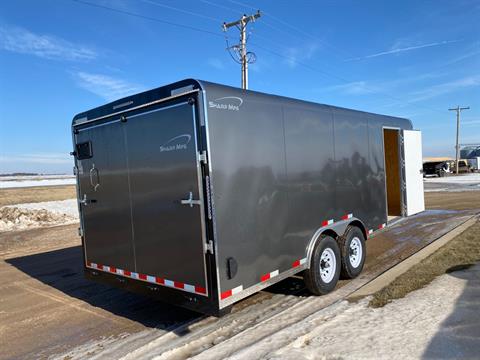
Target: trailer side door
(413, 172)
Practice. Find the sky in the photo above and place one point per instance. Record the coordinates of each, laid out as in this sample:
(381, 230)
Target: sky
(414, 59)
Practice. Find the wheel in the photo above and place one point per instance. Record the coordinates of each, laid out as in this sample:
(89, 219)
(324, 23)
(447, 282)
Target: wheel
(352, 248)
(324, 272)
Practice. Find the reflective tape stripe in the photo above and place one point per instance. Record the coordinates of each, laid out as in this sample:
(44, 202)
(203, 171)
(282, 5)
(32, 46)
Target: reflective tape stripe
(269, 275)
(299, 262)
(231, 292)
(200, 290)
(149, 278)
(347, 216)
(327, 222)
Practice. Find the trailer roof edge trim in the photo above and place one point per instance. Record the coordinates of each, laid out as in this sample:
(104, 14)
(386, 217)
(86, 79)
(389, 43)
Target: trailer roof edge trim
(171, 91)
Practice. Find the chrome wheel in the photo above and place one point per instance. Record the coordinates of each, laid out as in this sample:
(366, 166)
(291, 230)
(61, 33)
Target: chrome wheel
(355, 252)
(328, 265)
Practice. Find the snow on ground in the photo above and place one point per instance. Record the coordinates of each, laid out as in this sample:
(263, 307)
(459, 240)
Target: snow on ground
(35, 180)
(49, 213)
(463, 182)
(438, 320)
(473, 178)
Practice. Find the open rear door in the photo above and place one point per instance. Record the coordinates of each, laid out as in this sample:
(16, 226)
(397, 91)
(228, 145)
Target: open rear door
(413, 172)
(166, 196)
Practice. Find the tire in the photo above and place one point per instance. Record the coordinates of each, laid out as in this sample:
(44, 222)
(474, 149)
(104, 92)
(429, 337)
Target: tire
(353, 252)
(321, 279)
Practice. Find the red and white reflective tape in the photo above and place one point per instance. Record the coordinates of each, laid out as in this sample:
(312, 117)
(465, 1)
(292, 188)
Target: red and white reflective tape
(228, 293)
(381, 226)
(347, 216)
(299, 262)
(150, 279)
(268, 276)
(328, 222)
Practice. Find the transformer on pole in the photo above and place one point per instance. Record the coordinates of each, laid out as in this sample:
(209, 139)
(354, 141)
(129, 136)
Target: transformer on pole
(244, 57)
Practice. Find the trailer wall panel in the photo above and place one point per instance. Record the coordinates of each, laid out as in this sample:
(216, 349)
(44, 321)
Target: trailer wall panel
(311, 171)
(377, 192)
(247, 154)
(353, 170)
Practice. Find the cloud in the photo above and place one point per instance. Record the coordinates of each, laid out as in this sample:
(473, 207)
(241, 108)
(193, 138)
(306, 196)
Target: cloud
(474, 50)
(445, 88)
(354, 88)
(294, 55)
(107, 87)
(22, 41)
(396, 49)
(216, 63)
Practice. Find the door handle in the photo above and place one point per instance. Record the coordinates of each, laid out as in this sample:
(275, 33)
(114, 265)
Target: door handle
(94, 173)
(85, 201)
(190, 201)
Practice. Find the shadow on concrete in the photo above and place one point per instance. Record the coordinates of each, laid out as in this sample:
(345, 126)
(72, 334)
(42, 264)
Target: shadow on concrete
(63, 270)
(459, 335)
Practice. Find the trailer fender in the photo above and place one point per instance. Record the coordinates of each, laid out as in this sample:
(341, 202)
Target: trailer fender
(334, 230)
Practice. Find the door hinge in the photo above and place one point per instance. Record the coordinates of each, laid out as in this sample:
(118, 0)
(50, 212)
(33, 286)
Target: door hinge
(208, 247)
(209, 201)
(202, 157)
(80, 232)
(75, 170)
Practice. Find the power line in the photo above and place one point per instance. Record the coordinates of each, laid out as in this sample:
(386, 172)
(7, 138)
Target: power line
(244, 56)
(218, 6)
(304, 33)
(342, 79)
(251, 7)
(125, 12)
(181, 10)
(314, 69)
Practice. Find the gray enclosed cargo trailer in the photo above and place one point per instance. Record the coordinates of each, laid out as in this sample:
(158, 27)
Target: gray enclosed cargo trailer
(202, 194)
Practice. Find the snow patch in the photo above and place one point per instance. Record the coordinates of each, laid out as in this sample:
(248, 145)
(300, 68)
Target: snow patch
(402, 329)
(7, 182)
(468, 182)
(30, 215)
(460, 179)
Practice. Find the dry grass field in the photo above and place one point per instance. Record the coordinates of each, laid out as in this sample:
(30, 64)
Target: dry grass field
(461, 252)
(461, 200)
(36, 194)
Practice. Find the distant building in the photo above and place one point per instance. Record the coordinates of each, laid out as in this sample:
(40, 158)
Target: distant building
(471, 151)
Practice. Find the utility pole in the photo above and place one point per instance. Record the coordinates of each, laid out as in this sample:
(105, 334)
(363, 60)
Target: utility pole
(244, 57)
(458, 109)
